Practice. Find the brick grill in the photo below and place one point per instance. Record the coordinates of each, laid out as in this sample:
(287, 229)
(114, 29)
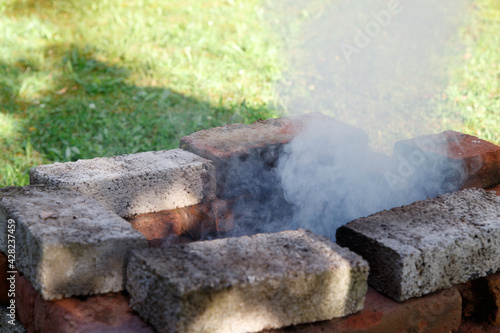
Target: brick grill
(214, 202)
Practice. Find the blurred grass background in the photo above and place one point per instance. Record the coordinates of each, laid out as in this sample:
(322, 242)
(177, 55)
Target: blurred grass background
(82, 78)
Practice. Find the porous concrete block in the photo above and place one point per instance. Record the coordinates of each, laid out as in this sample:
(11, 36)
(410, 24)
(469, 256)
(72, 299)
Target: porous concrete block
(451, 159)
(67, 243)
(246, 284)
(137, 183)
(429, 245)
(439, 312)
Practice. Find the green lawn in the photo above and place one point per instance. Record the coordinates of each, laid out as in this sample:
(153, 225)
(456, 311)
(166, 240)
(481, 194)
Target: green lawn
(82, 78)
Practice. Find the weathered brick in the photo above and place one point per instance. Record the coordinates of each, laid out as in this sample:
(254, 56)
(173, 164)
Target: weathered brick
(472, 326)
(137, 183)
(25, 303)
(451, 159)
(67, 243)
(429, 245)
(481, 299)
(101, 313)
(494, 189)
(184, 224)
(434, 313)
(245, 154)
(494, 290)
(4, 284)
(246, 284)
(7, 324)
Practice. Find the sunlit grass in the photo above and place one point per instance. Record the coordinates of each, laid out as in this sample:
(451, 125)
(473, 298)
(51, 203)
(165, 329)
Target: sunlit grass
(101, 78)
(475, 86)
(82, 78)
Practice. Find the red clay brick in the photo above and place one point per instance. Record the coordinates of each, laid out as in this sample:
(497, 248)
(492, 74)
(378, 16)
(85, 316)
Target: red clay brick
(101, 313)
(480, 159)
(243, 153)
(184, 224)
(494, 290)
(472, 326)
(4, 284)
(25, 303)
(437, 313)
(481, 299)
(494, 189)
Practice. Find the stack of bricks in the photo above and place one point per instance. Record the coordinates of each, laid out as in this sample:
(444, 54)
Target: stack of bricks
(99, 243)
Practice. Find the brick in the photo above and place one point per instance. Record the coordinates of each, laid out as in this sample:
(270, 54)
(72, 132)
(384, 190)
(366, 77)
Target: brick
(67, 243)
(25, 303)
(471, 326)
(494, 290)
(108, 312)
(246, 284)
(137, 183)
(481, 299)
(434, 313)
(7, 324)
(4, 284)
(429, 245)
(452, 160)
(494, 189)
(184, 224)
(244, 155)
(477, 303)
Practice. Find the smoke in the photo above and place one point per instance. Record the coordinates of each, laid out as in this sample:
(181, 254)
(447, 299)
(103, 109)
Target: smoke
(380, 67)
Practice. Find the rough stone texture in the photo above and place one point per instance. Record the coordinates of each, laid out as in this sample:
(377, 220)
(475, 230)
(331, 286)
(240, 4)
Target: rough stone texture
(244, 154)
(101, 313)
(246, 284)
(67, 243)
(184, 224)
(434, 313)
(455, 159)
(429, 245)
(8, 326)
(137, 183)
(4, 284)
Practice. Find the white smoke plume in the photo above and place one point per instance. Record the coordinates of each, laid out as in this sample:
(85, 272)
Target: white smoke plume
(378, 65)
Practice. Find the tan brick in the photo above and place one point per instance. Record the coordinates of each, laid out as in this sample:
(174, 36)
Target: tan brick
(434, 313)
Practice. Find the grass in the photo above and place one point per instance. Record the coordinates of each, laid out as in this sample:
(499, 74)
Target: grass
(81, 78)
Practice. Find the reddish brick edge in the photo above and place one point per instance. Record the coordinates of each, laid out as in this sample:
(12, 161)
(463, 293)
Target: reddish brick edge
(101, 313)
(437, 313)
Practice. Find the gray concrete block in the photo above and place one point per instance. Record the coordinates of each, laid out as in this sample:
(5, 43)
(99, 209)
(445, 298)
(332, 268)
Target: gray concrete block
(7, 323)
(246, 284)
(66, 243)
(429, 245)
(137, 183)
